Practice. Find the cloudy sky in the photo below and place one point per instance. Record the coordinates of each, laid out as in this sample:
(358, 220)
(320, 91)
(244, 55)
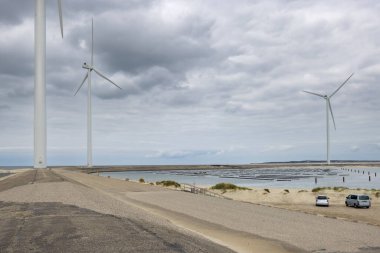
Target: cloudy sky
(203, 81)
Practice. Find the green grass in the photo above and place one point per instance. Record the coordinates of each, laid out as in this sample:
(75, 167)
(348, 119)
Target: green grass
(227, 186)
(168, 183)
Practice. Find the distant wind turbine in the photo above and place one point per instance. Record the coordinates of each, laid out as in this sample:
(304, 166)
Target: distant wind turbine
(39, 82)
(328, 108)
(90, 68)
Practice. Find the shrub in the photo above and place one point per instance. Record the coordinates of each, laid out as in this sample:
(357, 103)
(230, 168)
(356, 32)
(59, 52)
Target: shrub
(286, 190)
(377, 194)
(339, 189)
(141, 180)
(168, 183)
(302, 191)
(227, 186)
(267, 190)
(317, 189)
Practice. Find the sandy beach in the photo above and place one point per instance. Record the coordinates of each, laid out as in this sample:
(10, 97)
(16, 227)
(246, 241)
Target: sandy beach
(304, 201)
(231, 224)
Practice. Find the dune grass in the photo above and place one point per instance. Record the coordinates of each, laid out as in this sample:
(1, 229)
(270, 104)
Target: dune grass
(168, 183)
(141, 180)
(228, 186)
(340, 189)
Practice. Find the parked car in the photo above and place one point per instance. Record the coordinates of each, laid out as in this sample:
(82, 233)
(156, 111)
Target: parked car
(358, 200)
(322, 200)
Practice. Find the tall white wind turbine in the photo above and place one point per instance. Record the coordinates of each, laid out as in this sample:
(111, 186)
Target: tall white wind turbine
(39, 82)
(328, 108)
(91, 68)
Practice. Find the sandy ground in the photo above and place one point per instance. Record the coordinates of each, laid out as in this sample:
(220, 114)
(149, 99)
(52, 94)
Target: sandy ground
(304, 201)
(245, 227)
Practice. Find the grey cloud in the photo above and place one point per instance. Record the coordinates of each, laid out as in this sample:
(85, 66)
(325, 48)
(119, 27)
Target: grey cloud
(150, 42)
(4, 107)
(13, 12)
(201, 73)
(178, 154)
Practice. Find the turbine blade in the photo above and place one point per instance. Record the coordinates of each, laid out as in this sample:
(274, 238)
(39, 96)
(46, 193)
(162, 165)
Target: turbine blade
(60, 16)
(316, 94)
(341, 85)
(80, 86)
(332, 115)
(101, 75)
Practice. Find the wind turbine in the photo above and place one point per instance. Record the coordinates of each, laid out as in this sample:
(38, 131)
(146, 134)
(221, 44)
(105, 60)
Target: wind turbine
(89, 69)
(328, 108)
(39, 82)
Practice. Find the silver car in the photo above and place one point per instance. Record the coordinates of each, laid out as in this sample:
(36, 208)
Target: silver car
(322, 200)
(358, 200)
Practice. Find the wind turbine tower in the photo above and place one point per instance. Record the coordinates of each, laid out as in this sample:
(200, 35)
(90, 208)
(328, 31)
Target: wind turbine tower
(89, 69)
(329, 109)
(39, 82)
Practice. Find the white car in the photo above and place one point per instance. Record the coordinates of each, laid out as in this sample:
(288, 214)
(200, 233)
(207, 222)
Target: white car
(322, 200)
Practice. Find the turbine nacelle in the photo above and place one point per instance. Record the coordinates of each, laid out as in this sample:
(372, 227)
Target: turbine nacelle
(86, 66)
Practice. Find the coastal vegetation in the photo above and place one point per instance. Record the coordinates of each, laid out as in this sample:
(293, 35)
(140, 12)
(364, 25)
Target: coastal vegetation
(168, 183)
(337, 189)
(375, 192)
(141, 180)
(227, 186)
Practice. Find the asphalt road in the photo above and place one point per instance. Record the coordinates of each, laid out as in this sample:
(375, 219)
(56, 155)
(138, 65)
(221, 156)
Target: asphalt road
(56, 227)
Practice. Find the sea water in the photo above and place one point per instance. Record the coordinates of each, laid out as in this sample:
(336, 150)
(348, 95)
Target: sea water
(291, 178)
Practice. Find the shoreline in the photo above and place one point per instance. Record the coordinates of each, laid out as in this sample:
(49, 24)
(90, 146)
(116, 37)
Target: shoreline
(300, 199)
(120, 168)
